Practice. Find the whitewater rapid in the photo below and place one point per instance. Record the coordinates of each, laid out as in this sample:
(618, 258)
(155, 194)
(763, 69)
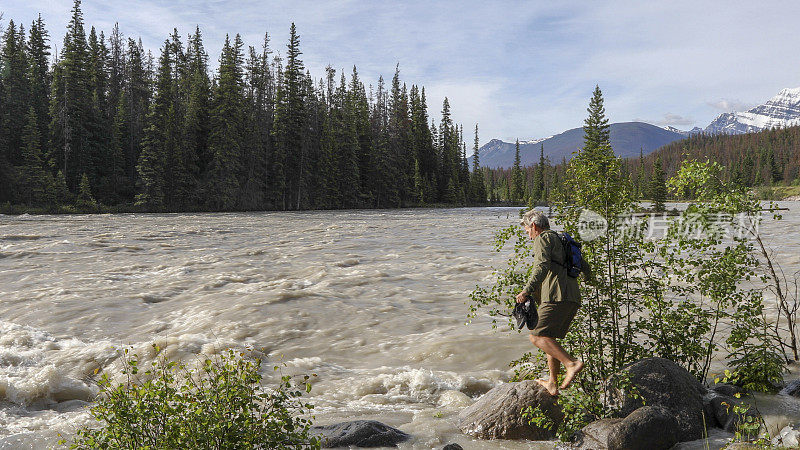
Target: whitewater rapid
(372, 302)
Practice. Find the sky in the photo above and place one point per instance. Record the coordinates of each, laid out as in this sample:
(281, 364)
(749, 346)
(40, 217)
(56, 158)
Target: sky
(519, 69)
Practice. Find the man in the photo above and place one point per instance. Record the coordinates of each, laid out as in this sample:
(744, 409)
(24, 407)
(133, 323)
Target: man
(558, 298)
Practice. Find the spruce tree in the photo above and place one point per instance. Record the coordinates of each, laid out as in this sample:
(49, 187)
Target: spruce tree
(359, 106)
(595, 172)
(448, 154)
(329, 163)
(118, 184)
(774, 171)
(401, 162)
(641, 178)
(658, 187)
(596, 128)
(33, 185)
(226, 129)
(347, 148)
(116, 69)
(98, 123)
(60, 191)
(85, 199)
(137, 92)
(196, 122)
(39, 73)
(259, 115)
(157, 144)
(477, 183)
(71, 104)
(422, 142)
(15, 92)
(288, 161)
(748, 170)
(517, 192)
(538, 177)
(180, 170)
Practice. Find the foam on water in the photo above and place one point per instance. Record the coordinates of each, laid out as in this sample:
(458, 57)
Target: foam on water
(39, 369)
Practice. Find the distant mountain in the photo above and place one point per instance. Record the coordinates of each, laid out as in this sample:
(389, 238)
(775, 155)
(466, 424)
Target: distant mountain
(627, 138)
(780, 111)
(691, 132)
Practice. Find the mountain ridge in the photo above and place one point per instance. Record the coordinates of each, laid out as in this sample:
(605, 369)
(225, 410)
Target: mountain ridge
(628, 138)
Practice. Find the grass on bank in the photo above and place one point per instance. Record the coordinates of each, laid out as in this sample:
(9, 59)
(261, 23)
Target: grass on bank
(776, 192)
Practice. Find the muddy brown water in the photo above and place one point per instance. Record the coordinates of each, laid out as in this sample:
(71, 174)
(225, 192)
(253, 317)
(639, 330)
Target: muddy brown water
(372, 302)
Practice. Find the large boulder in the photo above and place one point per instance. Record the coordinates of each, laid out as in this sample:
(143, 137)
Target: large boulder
(661, 382)
(647, 428)
(498, 413)
(359, 433)
(729, 412)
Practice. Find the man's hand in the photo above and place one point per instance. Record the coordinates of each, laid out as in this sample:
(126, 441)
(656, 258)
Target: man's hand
(522, 297)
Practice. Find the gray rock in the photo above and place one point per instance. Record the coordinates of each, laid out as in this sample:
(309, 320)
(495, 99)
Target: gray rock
(498, 413)
(788, 437)
(661, 382)
(725, 414)
(595, 435)
(709, 417)
(647, 428)
(730, 390)
(452, 447)
(359, 433)
(793, 389)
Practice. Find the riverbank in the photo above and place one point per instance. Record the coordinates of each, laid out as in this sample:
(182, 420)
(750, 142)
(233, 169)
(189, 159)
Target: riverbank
(16, 210)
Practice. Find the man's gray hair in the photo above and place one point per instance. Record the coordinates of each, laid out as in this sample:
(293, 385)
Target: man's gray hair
(534, 217)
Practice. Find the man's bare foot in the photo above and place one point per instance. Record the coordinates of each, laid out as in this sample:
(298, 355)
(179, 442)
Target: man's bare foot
(572, 370)
(549, 385)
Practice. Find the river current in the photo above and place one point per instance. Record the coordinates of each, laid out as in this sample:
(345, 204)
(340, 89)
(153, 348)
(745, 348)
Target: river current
(372, 302)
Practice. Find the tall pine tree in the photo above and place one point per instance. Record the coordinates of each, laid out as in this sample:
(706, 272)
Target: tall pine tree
(517, 177)
(658, 187)
(222, 185)
(477, 183)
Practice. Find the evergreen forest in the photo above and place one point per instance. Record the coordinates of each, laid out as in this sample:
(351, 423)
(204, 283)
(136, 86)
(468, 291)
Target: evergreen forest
(104, 124)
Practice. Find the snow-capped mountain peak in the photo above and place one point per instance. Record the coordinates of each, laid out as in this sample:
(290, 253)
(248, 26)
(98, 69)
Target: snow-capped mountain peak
(688, 133)
(782, 110)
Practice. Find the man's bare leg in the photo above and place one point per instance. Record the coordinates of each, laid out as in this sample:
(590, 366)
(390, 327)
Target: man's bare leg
(551, 384)
(554, 350)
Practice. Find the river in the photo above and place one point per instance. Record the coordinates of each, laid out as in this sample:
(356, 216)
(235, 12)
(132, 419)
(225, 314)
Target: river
(372, 302)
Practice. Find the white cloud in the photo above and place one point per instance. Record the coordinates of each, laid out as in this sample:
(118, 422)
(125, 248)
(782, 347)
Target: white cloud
(669, 119)
(730, 105)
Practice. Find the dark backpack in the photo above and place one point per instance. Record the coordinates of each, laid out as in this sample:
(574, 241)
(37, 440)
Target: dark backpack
(573, 260)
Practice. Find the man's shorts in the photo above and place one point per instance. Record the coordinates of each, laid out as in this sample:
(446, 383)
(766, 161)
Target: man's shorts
(554, 319)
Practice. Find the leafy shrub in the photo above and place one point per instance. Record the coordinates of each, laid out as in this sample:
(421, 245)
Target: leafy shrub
(221, 405)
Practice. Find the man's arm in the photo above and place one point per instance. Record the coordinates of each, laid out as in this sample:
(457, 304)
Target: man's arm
(541, 264)
(587, 271)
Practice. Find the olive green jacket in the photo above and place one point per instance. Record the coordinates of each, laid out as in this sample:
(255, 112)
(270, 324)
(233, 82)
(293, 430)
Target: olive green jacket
(549, 277)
